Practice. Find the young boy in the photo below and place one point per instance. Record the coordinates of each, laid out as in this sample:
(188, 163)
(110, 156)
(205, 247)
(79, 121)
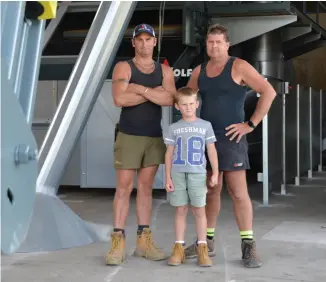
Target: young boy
(185, 165)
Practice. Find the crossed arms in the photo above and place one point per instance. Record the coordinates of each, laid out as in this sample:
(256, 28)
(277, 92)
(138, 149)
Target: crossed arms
(127, 94)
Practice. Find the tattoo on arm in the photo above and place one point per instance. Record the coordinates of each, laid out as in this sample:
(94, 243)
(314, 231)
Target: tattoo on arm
(120, 80)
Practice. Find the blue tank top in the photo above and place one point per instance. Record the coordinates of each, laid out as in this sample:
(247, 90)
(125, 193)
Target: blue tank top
(222, 98)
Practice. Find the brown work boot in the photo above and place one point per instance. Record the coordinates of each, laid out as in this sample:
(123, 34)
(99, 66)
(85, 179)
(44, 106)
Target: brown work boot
(249, 254)
(191, 251)
(202, 255)
(178, 255)
(146, 247)
(116, 255)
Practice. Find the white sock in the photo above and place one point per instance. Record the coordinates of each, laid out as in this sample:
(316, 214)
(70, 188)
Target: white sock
(201, 242)
(181, 242)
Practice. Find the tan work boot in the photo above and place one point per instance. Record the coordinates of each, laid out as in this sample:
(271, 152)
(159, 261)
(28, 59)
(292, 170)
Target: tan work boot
(178, 255)
(116, 254)
(191, 251)
(146, 247)
(249, 254)
(202, 255)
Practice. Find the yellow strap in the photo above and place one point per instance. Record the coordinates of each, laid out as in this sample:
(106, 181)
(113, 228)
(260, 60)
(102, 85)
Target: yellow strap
(50, 10)
(243, 233)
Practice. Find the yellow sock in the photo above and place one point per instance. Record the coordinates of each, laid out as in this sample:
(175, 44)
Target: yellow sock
(249, 234)
(210, 233)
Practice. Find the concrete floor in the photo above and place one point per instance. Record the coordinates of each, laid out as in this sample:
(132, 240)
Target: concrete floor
(290, 235)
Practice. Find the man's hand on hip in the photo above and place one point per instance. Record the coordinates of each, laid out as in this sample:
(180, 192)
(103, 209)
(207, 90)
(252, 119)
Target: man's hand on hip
(238, 129)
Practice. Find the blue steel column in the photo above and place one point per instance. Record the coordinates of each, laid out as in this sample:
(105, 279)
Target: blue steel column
(20, 58)
(31, 66)
(61, 227)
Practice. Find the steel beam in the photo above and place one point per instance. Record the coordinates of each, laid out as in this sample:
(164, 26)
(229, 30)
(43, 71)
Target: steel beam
(52, 26)
(244, 28)
(292, 53)
(308, 21)
(169, 31)
(84, 60)
(300, 41)
(92, 6)
(292, 32)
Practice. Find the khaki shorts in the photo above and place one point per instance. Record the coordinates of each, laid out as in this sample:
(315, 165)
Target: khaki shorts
(188, 186)
(134, 152)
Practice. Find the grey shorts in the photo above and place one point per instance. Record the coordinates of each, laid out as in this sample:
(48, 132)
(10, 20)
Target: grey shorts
(188, 187)
(231, 155)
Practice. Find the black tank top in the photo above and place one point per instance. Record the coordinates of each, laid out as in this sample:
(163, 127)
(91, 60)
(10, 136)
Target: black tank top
(143, 119)
(222, 98)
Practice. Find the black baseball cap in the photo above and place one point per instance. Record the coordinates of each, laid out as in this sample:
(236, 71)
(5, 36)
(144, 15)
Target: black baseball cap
(143, 28)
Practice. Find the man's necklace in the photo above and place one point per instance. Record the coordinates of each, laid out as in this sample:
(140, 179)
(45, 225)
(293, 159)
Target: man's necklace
(145, 67)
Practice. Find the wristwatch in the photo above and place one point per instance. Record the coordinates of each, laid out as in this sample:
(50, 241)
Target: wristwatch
(251, 124)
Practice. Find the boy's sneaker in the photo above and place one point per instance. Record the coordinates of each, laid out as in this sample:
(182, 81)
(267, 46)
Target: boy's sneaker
(249, 254)
(202, 255)
(116, 254)
(191, 251)
(146, 247)
(178, 255)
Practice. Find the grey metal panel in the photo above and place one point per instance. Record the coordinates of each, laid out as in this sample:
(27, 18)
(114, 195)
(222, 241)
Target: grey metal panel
(275, 142)
(97, 152)
(56, 97)
(72, 174)
(244, 28)
(61, 88)
(39, 133)
(45, 101)
(73, 171)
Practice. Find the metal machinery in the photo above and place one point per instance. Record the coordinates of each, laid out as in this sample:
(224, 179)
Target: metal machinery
(22, 26)
(29, 203)
(83, 54)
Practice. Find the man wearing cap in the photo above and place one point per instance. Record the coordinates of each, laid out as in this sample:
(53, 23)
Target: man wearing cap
(141, 87)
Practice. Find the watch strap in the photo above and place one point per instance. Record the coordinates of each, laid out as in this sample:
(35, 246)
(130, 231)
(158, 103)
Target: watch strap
(251, 124)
